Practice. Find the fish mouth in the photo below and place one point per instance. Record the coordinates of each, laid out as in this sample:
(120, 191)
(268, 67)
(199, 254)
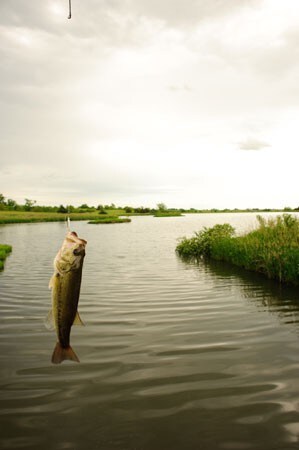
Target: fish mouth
(74, 241)
(72, 245)
(73, 238)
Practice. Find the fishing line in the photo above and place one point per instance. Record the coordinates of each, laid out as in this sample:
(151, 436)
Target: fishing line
(70, 10)
(68, 220)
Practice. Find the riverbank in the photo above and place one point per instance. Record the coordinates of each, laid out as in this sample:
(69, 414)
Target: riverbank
(32, 216)
(272, 249)
(109, 219)
(168, 214)
(5, 250)
(21, 216)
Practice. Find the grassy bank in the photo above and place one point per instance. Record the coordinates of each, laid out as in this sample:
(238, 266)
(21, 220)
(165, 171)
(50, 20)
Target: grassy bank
(4, 252)
(168, 214)
(32, 216)
(109, 219)
(271, 249)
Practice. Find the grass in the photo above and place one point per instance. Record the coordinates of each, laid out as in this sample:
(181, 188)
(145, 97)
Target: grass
(109, 219)
(30, 216)
(271, 249)
(4, 252)
(167, 214)
(7, 217)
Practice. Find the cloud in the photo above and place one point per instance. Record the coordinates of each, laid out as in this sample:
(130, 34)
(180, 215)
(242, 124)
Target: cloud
(183, 88)
(113, 19)
(137, 99)
(176, 13)
(253, 144)
(280, 61)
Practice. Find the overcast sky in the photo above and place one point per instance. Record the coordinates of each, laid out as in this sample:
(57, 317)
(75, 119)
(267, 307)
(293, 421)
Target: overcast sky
(193, 103)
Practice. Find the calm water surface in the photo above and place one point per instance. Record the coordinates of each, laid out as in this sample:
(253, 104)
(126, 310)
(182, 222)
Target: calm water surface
(173, 355)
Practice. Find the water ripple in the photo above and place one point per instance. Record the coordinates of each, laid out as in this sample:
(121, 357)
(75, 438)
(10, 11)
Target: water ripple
(173, 355)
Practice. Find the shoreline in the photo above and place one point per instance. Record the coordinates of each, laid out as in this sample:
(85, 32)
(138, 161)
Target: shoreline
(11, 217)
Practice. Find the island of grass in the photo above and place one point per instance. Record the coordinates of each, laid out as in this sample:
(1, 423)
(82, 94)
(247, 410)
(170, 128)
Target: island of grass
(271, 249)
(4, 252)
(7, 217)
(168, 214)
(109, 219)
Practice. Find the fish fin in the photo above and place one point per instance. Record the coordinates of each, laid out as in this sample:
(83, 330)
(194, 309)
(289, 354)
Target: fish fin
(78, 320)
(51, 282)
(49, 320)
(61, 354)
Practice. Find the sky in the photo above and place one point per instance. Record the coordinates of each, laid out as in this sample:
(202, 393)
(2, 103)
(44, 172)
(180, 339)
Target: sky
(191, 103)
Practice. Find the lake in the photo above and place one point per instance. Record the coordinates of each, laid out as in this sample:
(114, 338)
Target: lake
(174, 355)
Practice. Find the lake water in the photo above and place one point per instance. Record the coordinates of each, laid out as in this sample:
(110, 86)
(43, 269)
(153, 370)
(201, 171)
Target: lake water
(173, 355)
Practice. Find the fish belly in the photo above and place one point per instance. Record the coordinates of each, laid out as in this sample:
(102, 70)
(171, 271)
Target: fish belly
(66, 291)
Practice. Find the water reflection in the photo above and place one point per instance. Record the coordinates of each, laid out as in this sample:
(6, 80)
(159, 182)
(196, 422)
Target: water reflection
(266, 294)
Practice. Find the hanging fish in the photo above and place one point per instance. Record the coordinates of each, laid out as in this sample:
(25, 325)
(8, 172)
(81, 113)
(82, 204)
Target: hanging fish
(65, 285)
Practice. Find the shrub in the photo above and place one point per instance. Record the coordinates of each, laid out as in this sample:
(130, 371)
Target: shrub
(202, 243)
(272, 249)
(4, 251)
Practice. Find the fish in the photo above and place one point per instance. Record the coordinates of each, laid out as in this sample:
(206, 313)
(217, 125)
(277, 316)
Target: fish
(65, 284)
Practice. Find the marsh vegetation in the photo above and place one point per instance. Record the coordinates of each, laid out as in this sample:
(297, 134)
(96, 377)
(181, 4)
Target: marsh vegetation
(109, 219)
(271, 249)
(4, 252)
(168, 213)
(29, 211)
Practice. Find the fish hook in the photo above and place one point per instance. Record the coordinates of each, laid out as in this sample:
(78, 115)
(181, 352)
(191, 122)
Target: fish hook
(68, 220)
(70, 10)
(68, 223)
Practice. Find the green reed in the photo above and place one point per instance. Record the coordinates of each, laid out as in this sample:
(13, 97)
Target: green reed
(272, 248)
(109, 219)
(168, 214)
(4, 252)
(7, 217)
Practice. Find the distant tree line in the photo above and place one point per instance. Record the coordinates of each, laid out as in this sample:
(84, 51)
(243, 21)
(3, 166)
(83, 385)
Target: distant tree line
(8, 204)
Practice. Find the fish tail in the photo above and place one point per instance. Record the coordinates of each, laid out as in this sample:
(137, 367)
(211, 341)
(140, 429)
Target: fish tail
(62, 353)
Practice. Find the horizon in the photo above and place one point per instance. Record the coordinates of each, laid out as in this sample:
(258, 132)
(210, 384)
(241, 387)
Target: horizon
(126, 204)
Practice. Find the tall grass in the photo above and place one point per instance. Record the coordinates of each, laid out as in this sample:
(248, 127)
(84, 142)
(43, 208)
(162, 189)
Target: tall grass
(168, 214)
(272, 248)
(32, 216)
(4, 252)
(109, 219)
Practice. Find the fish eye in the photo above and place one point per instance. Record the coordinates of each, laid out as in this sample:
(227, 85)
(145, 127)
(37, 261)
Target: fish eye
(76, 251)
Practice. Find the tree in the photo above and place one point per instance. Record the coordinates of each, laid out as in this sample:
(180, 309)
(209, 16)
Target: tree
(11, 203)
(112, 206)
(142, 210)
(161, 207)
(29, 204)
(128, 209)
(2, 199)
(62, 209)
